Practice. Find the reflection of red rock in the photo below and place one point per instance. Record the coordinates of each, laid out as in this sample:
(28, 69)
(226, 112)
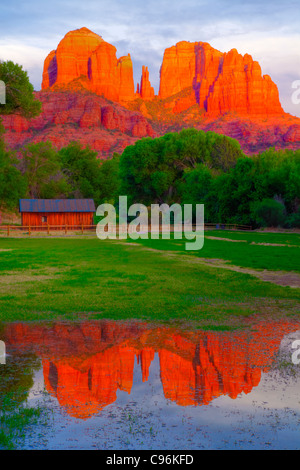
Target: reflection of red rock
(145, 358)
(83, 390)
(216, 365)
(86, 364)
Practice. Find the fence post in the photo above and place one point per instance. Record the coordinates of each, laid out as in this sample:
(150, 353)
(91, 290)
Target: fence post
(48, 229)
(29, 231)
(82, 229)
(66, 229)
(8, 230)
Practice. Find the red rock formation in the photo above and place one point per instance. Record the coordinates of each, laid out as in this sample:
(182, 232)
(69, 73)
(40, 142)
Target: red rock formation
(84, 117)
(109, 76)
(84, 55)
(218, 82)
(200, 87)
(221, 82)
(293, 134)
(107, 127)
(71, 58)
(50, 70)
(145, 90)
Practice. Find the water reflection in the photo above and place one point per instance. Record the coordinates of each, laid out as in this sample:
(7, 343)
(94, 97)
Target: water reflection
(85, 365)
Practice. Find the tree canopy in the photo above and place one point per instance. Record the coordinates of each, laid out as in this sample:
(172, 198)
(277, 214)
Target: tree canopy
(19, 91)
(189, 167)
(152, 169)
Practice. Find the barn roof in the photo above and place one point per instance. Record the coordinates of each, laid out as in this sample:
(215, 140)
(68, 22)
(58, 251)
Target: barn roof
(57, 205)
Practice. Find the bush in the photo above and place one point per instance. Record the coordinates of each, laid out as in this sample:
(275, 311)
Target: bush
(269, 213)
(293, 220)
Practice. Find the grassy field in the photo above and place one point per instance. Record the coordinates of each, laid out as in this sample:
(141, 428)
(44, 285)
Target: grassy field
(235, 275)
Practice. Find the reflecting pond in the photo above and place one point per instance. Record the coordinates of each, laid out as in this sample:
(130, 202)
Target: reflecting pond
(132, 385)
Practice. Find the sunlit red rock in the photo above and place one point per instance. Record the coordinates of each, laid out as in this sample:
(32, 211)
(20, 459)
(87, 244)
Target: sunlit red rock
(200, 87)
(109, 76)
(221, 82)
(293, 134)
(145, 90)
(71, 58)
(83, 55)
(78, 116)
(50, 70)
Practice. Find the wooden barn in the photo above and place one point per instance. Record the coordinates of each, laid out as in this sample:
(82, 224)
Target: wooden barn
(57, 213)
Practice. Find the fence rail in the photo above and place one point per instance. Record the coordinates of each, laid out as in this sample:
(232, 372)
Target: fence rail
(63, 230)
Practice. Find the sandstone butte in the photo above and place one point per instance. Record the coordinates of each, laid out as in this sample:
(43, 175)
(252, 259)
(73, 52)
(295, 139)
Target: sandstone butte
(220, 82)
(87, 364)
(83, 56)
(88, 94)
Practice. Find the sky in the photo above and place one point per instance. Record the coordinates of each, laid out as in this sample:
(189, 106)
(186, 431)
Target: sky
(269, 31)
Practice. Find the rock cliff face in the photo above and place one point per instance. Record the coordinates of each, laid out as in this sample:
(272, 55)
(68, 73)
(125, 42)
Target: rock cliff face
(107, 127)
(81, 116)
(145, 90)
(71, 58)
(85, 57)
(200, 87)
(221, 82)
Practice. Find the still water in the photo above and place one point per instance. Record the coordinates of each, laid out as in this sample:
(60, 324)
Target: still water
(114, 385)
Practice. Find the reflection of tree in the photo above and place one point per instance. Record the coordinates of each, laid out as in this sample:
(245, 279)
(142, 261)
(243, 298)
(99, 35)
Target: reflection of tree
(16, 379)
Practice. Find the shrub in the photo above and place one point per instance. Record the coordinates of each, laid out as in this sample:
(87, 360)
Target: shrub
(269, 213)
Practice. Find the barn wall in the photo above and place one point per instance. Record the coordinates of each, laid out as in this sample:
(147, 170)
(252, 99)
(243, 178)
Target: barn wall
(34, 219)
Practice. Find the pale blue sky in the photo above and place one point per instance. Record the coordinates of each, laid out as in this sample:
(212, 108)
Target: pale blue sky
(268, 31)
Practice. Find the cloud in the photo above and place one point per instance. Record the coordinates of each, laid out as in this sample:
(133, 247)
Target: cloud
(30, 57)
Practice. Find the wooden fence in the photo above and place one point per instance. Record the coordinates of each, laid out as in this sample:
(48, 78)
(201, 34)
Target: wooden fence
(64, 230)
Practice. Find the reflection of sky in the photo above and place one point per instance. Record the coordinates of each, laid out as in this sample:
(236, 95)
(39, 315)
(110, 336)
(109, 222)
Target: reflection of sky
(269, 31)
(268, 417)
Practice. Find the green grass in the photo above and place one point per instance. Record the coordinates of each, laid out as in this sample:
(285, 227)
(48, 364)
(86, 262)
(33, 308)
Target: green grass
(13, 425)
(249, 253)
(157, 280)
(287, 238)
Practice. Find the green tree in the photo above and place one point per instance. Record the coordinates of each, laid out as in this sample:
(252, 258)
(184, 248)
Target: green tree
(109, 180)
(12, 183)
(40, 164)
(19, 99)
(269, 213)
(196, 188)
(82, 170)
(234, 193)
(19, 91)
(225, 153)
(152, 170)
(278, 174)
